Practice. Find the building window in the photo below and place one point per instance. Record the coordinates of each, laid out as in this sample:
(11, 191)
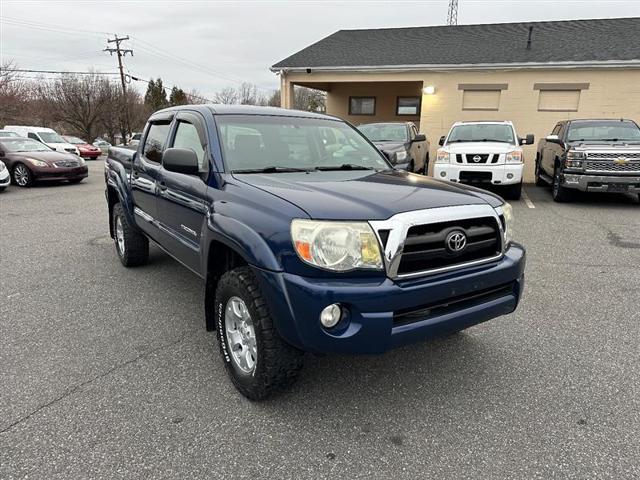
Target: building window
(559, 97)
(481, 99)
(408, 106)
(362, 105)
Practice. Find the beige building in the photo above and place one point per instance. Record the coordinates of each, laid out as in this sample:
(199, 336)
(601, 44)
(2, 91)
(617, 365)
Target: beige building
(533, 74)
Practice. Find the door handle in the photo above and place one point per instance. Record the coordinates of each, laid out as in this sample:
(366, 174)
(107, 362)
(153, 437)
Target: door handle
(135, 174)
(162, 186)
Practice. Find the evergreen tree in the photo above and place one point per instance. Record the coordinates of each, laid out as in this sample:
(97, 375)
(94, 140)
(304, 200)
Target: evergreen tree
(156, 97)
(178, 97)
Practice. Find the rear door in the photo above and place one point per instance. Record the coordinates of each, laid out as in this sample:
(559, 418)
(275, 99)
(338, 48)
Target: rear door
(145, 173)
(548, 151)
(182, 198)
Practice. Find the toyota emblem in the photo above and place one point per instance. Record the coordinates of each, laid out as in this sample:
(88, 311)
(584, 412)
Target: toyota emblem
(477, 158)
(456, 241)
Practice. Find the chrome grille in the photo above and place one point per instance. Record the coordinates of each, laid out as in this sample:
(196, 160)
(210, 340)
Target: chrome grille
(611, 166)
(70, 150)
(480, 157)
(612, 155)
(418, 243)
(67, 163)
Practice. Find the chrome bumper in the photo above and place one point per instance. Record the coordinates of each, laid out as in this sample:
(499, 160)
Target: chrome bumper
(602, 183)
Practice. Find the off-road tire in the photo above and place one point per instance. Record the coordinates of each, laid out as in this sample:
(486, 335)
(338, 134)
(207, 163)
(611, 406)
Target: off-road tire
(425, 167)
(278, 364)
(513, 192)
(558, 192)
(136, 245)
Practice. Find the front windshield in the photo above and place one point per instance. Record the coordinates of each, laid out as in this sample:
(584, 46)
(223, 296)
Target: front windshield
(50, 137)
(8, 134)
(75, 140)
(482, 132)
(385, 132)
(256, 142)
(606, 130)
(24, 145)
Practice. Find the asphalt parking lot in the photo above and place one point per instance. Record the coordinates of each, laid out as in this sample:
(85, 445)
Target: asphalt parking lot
(109, 373)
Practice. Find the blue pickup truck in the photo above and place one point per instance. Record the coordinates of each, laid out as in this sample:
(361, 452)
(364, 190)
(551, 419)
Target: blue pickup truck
(306, 238)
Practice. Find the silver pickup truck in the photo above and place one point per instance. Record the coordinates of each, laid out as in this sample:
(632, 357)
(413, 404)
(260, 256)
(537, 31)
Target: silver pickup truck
(591, 156)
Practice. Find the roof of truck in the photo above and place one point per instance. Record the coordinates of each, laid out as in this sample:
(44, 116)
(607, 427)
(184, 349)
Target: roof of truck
(220, 109)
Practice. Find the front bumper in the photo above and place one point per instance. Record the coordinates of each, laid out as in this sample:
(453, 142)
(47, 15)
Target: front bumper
(499, 173)
(602, 183)
(90, 154)
(60, 173)
(383, 313)
(5, 178)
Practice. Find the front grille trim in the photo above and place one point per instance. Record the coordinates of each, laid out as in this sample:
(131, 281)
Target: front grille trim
(597, 166)
(398, 227)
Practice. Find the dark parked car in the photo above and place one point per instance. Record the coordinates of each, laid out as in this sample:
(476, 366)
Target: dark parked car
(306, 238)
(405, 148)
(85, 149)
(590, 156)
(29, 161)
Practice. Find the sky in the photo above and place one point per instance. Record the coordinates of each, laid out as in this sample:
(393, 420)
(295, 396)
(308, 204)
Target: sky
(209, 45)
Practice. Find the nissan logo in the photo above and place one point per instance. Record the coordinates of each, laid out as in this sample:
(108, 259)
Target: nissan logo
(456, 241)
(477, 158)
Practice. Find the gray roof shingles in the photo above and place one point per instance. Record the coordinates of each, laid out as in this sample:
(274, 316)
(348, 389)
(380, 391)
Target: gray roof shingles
(498, 43)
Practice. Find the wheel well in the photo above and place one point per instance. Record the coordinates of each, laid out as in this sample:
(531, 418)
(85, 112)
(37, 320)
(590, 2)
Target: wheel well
(221, 259)
(112, 199)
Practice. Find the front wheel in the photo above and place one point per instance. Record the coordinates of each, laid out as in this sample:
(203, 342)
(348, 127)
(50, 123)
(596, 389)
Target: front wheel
(559, 192)
(22, 176)
(132, 246)
(258, 361)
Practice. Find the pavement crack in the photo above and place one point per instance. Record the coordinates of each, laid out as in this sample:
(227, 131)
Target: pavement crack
(115, 368)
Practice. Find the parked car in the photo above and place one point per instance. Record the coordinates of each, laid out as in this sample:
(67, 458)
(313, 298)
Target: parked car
(5, 178)
(45, 135)
(103, 145)
(4, 134)
(30, 161)
(405, 148)
(483, 154)
(590, 156)
(85, 149)
(305, 245)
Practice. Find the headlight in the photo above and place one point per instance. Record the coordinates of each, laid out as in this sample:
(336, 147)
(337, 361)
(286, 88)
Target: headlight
(337, 246)
(514, 157)
(37, 163)
(442, 156)
(507, 214)
(401, 156)
(574, 159)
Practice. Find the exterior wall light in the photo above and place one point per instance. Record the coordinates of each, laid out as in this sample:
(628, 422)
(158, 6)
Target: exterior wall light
(429, 90)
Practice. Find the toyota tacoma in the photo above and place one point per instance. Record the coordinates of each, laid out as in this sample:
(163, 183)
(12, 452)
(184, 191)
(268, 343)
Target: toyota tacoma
(306, 238)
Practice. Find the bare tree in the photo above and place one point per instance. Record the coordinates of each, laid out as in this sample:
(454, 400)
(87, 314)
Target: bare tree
(309, 99)
(194, 97)
(227, 96)
(247, 94)
(274, 99)
(13, 93)
(79, 104)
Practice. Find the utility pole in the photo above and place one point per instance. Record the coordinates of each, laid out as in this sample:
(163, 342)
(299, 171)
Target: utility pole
(452, 14)
(121, 52)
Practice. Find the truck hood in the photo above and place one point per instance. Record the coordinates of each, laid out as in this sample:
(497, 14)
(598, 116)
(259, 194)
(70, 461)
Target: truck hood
(609, 146)
(365, 195)
(480, 147)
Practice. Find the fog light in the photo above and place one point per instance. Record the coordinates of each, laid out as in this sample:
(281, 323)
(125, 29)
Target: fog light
(330, 316)
(443, 174)
(509, 176)
(571, 179)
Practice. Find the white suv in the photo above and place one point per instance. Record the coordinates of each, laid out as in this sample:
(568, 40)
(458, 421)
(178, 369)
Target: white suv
(483, 154)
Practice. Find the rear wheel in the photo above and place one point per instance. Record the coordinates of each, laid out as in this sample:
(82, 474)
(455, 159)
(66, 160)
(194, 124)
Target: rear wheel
(132, 246)
(559, 192)
(22, 175)
(258, 361)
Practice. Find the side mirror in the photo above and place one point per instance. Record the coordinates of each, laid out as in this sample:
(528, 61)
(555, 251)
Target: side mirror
(552, 139)
(421, 137)
(180, 160)
(528, 140)
(441, 141)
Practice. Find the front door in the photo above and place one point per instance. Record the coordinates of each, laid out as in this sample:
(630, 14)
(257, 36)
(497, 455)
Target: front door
(181, 198)
(418, 150)
(144, 176)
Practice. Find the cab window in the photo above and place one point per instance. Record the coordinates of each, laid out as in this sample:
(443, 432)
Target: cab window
(187, 136)
(155, 142)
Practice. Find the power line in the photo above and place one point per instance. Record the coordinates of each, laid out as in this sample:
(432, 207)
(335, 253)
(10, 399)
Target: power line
(168, 88)
(18, 22)
(24, 70)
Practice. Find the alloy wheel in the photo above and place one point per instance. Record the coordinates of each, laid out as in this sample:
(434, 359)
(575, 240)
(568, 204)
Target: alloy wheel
(21, 175)
(120, 236)
(241, 335)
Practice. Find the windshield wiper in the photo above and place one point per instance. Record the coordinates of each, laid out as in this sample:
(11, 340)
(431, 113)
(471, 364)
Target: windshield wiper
(271, 169)
(344, 166)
